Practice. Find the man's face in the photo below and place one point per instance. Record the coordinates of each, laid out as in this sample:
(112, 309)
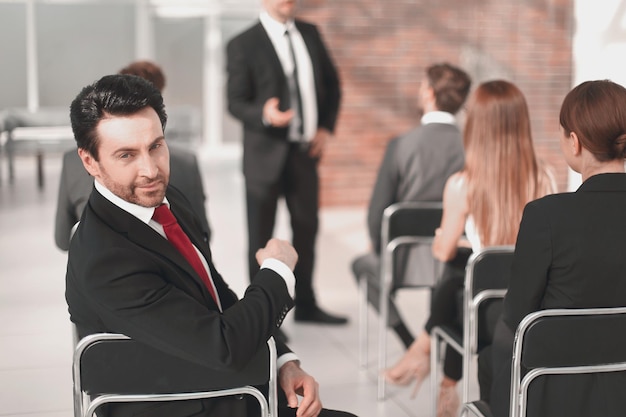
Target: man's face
(281, 10)
(134, 161)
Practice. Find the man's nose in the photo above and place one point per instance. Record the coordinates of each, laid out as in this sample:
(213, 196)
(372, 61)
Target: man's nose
(147, 166)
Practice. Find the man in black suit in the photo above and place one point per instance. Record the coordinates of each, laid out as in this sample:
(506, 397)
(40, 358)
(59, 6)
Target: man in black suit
(283, 86)
(124, 274)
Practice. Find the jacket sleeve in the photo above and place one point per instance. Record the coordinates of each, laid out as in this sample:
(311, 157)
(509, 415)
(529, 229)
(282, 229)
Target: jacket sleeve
(65, 217)
(241, 89)
(383, 195)
(331, 99)
(531, 265)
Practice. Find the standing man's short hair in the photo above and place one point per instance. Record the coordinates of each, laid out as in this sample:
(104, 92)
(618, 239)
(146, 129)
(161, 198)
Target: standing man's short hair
(450, 84)
(111, 95)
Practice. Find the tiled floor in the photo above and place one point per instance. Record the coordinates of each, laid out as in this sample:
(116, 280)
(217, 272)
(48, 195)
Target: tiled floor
(35, 335)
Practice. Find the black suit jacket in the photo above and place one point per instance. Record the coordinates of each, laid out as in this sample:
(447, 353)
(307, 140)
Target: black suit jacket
(123, 277)
(255, 74)
(570, 253)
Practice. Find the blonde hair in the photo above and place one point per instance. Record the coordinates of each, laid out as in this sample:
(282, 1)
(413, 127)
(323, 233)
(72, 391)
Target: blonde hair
(501, 168)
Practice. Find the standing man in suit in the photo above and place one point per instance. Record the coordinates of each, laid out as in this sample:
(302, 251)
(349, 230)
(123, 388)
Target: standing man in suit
(416, 167)
(76, 184)
(125, 273)
(288, 108)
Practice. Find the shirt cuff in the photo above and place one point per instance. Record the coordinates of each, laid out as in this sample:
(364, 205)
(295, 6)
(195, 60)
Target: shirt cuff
(287, 357)
(284, 271)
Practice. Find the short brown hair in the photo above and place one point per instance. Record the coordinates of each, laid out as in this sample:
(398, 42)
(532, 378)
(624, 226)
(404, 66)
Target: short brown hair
(450, 85)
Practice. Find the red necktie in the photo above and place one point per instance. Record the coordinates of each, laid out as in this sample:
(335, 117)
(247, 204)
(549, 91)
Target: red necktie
(177, 237)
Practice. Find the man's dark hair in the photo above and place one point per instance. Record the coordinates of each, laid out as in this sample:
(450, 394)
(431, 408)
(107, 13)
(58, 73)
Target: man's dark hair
(111, 95)
(450, 84)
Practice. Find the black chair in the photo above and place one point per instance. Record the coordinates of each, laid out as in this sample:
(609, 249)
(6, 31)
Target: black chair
(112, 368)
(548, 343)
(486, 279)
(404, 225)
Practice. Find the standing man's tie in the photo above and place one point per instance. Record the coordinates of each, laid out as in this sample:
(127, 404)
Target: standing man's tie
(294, 91)
(179, 239)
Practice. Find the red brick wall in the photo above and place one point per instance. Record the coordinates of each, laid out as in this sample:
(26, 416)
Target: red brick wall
(382, 47)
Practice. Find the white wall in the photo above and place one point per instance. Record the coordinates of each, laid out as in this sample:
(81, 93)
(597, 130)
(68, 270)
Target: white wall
(599, 46)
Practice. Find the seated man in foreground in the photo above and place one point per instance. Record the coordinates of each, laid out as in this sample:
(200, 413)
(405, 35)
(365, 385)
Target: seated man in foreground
(127, 274)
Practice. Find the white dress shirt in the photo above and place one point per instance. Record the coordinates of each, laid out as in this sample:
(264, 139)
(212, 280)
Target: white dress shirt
(306, 81)
(438, 117)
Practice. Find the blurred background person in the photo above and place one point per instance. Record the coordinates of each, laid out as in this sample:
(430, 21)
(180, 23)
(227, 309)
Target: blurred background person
(415, 167)
(287, 118)
(484, 203)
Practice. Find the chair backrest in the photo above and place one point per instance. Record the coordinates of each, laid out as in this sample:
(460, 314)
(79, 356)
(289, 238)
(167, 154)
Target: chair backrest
(566, 342)
(489, 269)
(410, 218)
(486, 280)
(405, 225)
(115, 366)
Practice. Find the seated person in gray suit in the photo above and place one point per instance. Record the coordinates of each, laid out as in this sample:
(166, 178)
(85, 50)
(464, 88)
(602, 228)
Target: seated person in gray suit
(76, 184)
(415, 167)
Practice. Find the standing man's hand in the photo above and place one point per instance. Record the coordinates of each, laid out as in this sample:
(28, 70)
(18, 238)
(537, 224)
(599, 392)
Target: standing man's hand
(295, 382)
(318, 142)
(273, 116)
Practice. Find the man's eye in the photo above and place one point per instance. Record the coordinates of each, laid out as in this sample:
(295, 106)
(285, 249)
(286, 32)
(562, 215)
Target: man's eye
(125, 156)
(156, 146)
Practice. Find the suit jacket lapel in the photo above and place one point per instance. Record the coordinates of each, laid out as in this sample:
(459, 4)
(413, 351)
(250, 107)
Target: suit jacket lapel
(265, 44)
(146, 237)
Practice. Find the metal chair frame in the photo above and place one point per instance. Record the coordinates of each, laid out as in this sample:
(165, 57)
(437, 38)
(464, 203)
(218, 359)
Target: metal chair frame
(520, 384)
(85, 406)
(472, 301)
(417, 233)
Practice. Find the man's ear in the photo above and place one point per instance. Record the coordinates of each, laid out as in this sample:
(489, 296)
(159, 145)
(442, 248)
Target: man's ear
(89, 162)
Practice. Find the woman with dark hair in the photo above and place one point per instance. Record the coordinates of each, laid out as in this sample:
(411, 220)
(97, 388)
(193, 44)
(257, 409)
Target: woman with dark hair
(484, 202)
(570, 250)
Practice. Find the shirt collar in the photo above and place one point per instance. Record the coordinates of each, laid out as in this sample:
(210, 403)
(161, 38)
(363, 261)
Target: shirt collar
(273, 26)
(438, 117)
(142, 213)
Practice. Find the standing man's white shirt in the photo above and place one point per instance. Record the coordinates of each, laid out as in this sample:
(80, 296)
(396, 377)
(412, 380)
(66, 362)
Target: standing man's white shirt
(306, 81)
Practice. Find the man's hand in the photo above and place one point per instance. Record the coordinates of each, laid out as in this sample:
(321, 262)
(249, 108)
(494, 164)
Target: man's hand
(273, 115)
(295, 382)
(278, 249)
(318, 142)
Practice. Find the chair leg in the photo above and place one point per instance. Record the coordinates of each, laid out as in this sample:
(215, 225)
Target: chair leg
(363, 323)
(435, 352)
(383, 318)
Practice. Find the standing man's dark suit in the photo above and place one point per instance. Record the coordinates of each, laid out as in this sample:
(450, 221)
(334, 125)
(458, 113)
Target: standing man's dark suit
(76, 185)
(272, 165)
(569, 254)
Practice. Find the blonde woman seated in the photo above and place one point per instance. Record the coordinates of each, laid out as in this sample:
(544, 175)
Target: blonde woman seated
(484, 201)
